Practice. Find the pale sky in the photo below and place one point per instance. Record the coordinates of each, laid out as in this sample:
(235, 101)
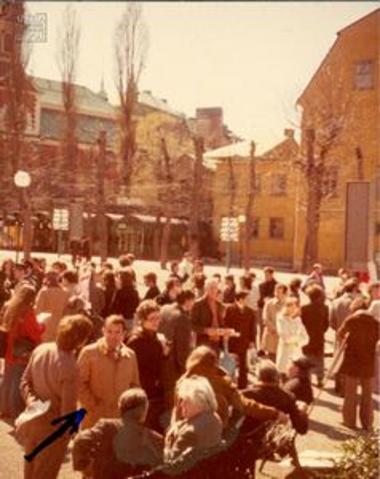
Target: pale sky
(252, 59)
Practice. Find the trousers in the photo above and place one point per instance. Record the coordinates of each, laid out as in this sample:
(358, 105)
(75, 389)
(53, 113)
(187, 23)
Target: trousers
(351, 401)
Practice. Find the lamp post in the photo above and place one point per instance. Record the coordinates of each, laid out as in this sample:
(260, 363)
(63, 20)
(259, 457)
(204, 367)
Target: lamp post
(22, 181)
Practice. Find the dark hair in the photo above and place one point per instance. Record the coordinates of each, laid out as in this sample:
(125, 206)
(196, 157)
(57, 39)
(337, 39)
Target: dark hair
(51, 279)
(20, 267)
(171, 283)
(152, 277)
(109, 278)
(229, 277)
(246, 281)
(268, 269)
(315, 293)
(124, 261)
(70, 276)
(127, 277)
(241, 295)
(73, 331)
(184, 296)
(350, 285)
(217, 275)
(146, 308)
(295, 283)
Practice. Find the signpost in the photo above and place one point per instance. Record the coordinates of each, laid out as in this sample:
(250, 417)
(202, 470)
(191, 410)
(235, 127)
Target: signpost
(229, 232)
(60, 223)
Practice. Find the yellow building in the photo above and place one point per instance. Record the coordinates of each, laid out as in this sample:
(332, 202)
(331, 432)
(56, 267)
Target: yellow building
(341, 104)
(273, 232)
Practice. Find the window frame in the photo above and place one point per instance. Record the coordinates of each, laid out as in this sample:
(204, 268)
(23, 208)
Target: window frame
(277, 191)
(358, 75)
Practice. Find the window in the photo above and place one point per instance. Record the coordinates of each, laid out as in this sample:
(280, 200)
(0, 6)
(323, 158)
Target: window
(276, 228)
(278, 185)
(330, 182)
(254, 228)
(364, 73)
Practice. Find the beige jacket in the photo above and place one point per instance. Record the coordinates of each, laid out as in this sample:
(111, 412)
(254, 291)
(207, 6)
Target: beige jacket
(103, 376)
(53, 301)
(269, 341)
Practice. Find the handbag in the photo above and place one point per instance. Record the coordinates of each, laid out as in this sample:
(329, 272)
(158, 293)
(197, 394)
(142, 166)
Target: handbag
(3, 342)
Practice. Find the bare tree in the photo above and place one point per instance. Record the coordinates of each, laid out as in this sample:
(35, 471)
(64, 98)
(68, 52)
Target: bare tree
(249, 207)
(196, 197)
(18, 107)
(131, 45)
(67, 59)
(326, 113)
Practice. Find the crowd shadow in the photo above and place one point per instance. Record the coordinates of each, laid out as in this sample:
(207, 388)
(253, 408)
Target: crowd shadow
(330, 431)
(328, 404)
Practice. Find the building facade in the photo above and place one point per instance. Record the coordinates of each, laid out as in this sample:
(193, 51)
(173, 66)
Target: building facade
(341, 105)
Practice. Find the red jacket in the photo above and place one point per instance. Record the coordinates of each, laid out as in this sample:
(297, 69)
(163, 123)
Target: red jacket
(25, 328)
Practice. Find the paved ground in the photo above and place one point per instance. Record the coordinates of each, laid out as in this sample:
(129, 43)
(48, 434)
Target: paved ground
(326, 433)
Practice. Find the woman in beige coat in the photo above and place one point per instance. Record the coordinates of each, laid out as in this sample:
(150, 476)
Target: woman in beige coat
(272, 307)
(51, 299)
(52, 375)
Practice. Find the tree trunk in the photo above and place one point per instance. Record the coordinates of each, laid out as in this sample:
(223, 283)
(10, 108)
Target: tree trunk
(157, 237)
(27, 239)
(313, 205)
(194, 233)
(101, 216)
(165, 240)
(248, 210)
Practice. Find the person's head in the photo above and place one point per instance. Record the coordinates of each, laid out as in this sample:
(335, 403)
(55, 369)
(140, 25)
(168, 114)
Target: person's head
(295, 285)
(316, 294)
(8, 266)
(70, 279)
(245, 282)
(19, 271)
(131, 258)
(268, 373)
(198, 266)
(73, 332)
(199, 280)
(374, 291)
(252, 276)
(212, 289)
(195, 396)
(299, 367)
(351, 286)
(150, 280)
(125, 278)
(202, 356)
(114, 331)
(109, 279)
(291, 307)
(317, 268)
(173, 287)
(29, 266)
(174, 267)
(106, 267)
(51, 279)
(229, 281)
(217, 277)
(58, 267)
(280, 291)
(186, 299)
(343, 274)
(21, 302)
(268, 273)
(124, 261)
(241, 298)
(133, 405)
(148, 315)
(358, 303)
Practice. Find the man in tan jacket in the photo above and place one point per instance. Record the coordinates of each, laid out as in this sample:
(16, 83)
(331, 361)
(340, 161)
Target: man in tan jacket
(106, 369)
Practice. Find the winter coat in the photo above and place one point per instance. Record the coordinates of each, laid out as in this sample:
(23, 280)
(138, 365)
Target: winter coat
(104, 375)
(54, 301)
(202, 318)
(125, 302)
(266, 289)
(269, 340)
(244, 322)
(292, 337)
(315, 317)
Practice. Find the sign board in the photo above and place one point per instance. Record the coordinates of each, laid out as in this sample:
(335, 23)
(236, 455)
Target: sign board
(60, 219)
(229, 229)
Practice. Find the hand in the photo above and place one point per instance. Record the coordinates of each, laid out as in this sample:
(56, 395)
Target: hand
(282, 418)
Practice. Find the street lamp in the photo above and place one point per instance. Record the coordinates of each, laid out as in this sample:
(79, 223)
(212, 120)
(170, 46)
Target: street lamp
(22, 181)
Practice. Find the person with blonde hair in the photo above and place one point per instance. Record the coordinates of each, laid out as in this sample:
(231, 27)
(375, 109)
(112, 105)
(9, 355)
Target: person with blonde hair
(52, 375)
(195, 424)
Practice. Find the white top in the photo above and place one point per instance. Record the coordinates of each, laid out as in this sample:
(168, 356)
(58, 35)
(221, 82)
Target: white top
(292, 337)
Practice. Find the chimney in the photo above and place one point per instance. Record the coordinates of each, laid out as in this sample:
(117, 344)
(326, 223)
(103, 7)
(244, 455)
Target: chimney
(289, 133)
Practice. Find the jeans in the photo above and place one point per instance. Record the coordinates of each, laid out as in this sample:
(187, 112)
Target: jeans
(11, 402)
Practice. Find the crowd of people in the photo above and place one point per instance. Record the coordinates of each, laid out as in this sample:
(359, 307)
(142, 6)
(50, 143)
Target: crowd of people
(149, 365)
